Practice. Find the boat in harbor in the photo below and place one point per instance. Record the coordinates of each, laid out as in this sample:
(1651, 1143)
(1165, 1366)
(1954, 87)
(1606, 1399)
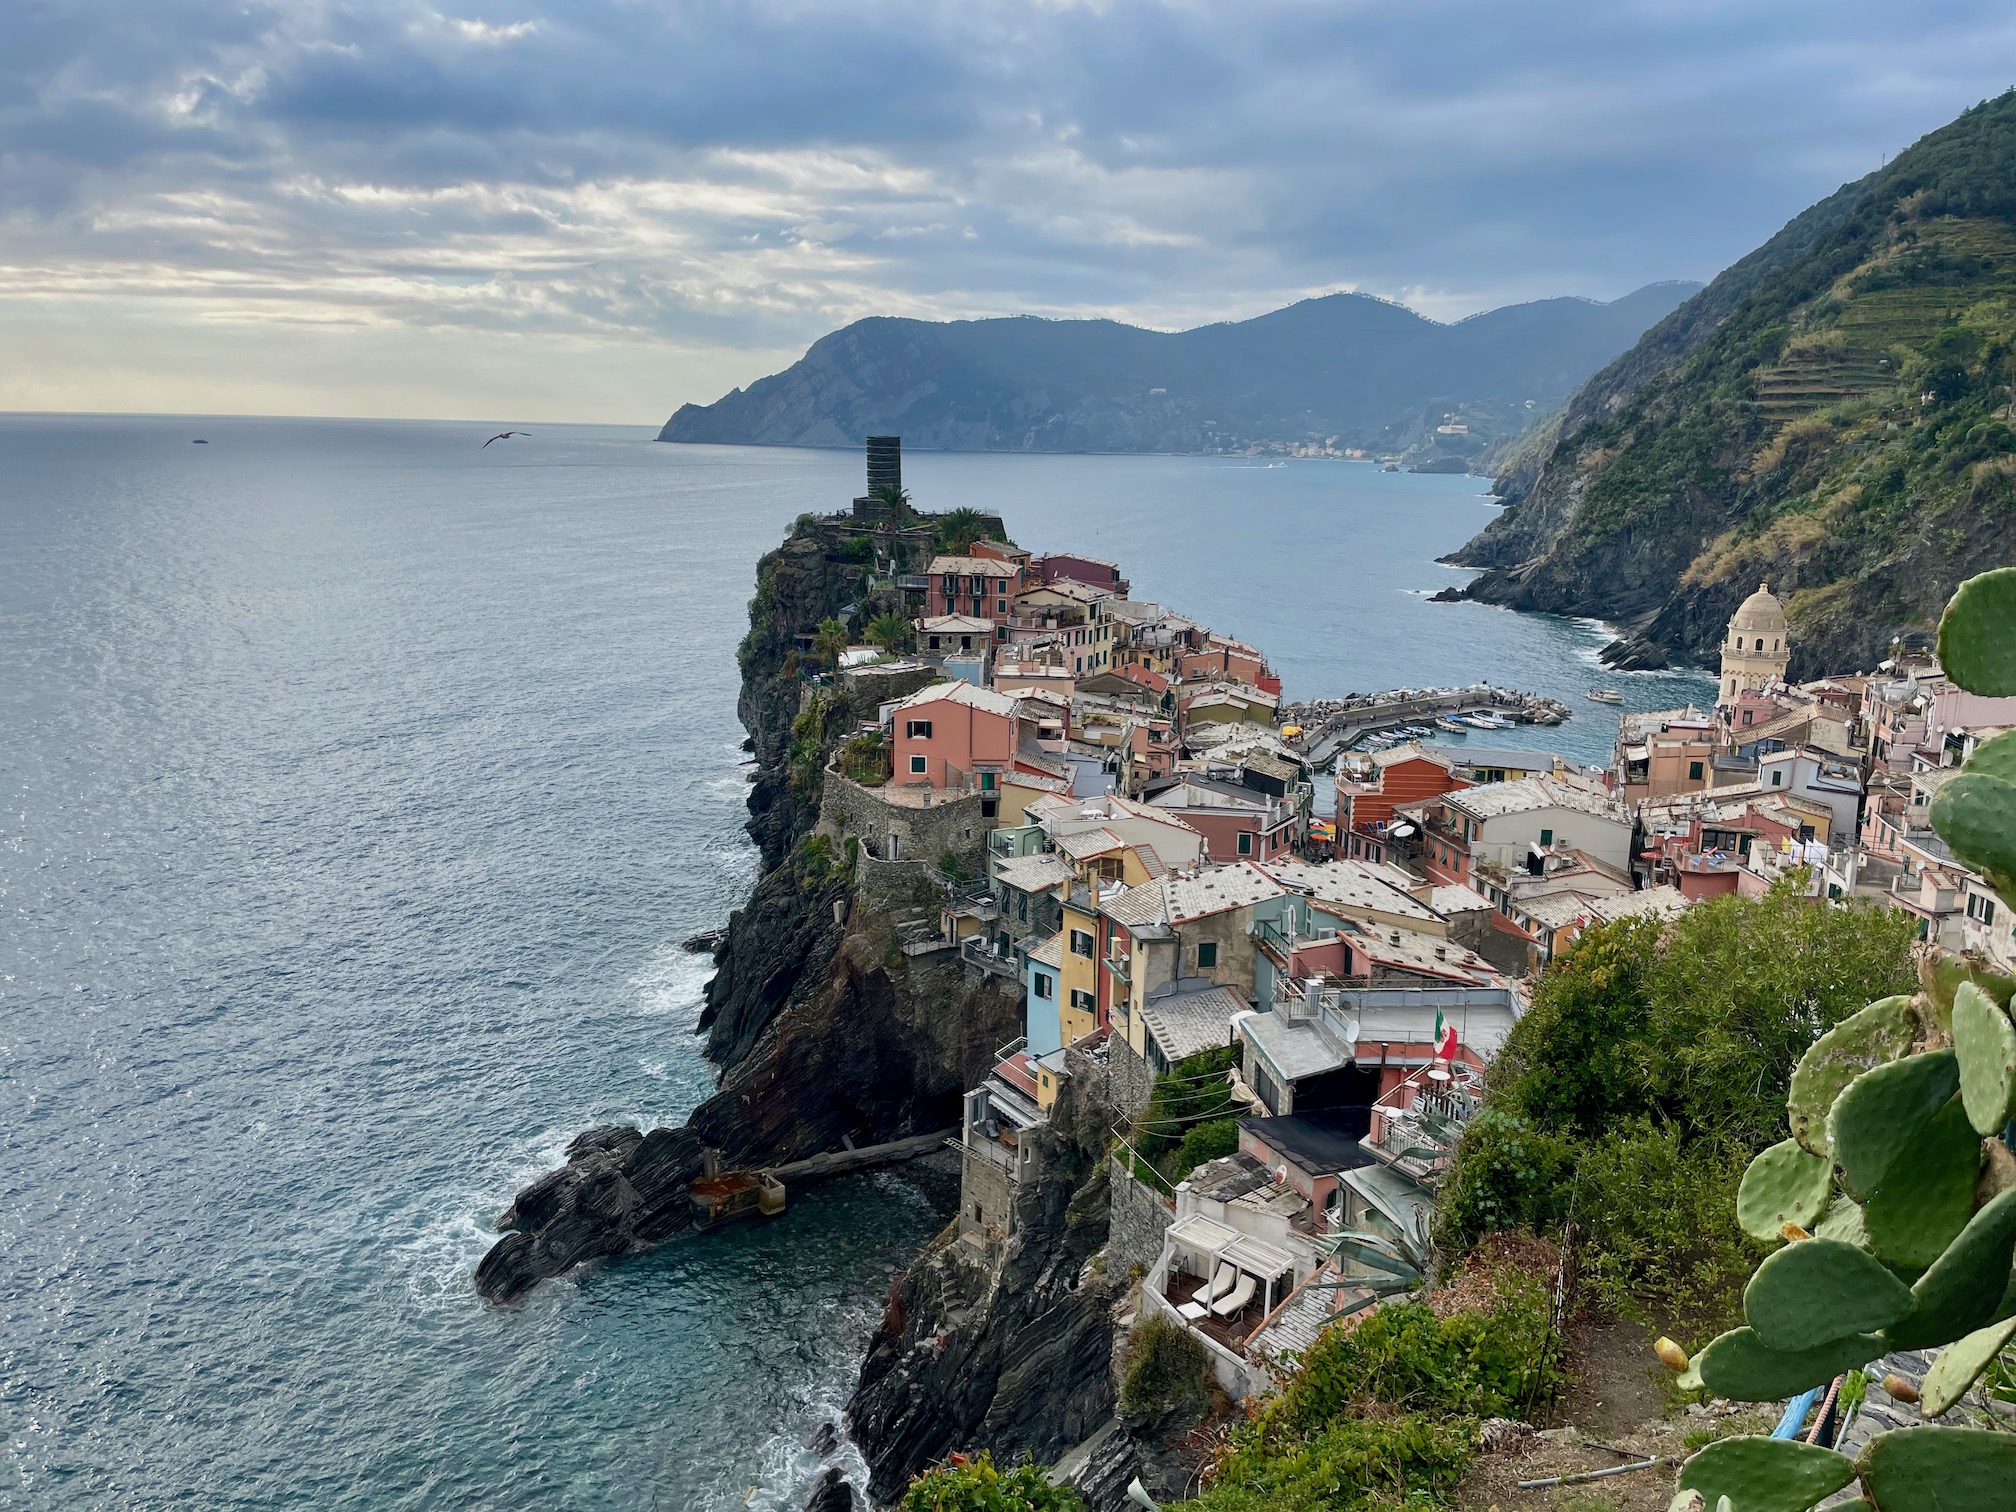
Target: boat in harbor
(1605, 695)
(1451, 726)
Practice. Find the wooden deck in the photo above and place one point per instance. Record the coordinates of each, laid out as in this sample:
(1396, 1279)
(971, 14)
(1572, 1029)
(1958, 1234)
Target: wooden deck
(1231, 1332)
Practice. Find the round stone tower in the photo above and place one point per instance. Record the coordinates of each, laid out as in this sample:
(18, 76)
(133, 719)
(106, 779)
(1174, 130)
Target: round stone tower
(1757, 647)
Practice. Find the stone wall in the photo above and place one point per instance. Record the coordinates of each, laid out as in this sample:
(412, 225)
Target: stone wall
(1128, 1077)
(890, 887)
(1139, 1218)
(951, 825)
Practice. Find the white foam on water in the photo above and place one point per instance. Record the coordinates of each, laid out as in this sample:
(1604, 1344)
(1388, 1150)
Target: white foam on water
(672, 982)
(789, 1467)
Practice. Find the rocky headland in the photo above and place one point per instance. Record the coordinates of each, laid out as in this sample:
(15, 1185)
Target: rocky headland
(825, 1033)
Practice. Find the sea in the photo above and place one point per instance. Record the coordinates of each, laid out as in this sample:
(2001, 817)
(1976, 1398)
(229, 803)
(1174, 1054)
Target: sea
(358, 784)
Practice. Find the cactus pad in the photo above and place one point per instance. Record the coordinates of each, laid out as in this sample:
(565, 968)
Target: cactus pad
(1843, 1222)
(1962, 1290)
(1939, 1470)
(1740, 1367)
(1977, 634)
(1882, 1114)
(1820, 1290)
(1986, 1046)
(1940, 974)
(1975, 814)
(1873, 1037)
(1929, 1197)
(1784, 1184)
(1766, 1474)
(1960, 1364)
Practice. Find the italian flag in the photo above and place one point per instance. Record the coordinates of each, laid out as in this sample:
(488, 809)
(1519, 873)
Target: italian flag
(1445, 1038)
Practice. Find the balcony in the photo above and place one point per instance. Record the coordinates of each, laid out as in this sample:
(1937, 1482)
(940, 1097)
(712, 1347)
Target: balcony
(990, 962)
(1273, 939)
(914, 582)
(1118, 966)
(1415, 1126)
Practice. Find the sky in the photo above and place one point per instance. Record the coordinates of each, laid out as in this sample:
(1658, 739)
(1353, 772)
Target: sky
(539, 210)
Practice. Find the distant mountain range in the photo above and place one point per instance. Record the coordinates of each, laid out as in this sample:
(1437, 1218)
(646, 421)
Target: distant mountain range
(1343, 371)
(1832, 413)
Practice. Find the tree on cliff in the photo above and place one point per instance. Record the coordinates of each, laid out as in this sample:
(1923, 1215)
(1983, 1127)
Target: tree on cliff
(829, 640)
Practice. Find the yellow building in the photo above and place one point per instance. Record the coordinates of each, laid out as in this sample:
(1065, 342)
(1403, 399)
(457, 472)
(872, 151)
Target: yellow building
(1078, 969)
(1757, 647)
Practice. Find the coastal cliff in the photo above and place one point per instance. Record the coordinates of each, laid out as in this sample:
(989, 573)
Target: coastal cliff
(1007, 1348)
(1832, 414)
(825, 1032)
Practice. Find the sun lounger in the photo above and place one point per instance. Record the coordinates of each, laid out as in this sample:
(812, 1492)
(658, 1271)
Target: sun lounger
(1234, 1302)
(1221, 1282)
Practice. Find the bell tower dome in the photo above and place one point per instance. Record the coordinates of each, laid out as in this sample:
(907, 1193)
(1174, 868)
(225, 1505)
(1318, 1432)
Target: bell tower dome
(1757, 648)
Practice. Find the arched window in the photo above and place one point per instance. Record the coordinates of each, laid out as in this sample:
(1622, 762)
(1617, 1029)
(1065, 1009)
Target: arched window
(1760, 643)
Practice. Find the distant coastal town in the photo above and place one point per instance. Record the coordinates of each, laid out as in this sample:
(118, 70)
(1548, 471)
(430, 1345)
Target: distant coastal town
(1155, 881)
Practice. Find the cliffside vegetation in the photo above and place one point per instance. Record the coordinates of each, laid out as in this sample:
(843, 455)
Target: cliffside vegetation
(1650, 1068)
(1832, 414)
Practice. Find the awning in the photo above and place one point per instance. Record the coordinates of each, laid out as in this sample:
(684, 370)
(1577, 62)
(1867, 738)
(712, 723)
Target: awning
(1200, 1233)
(1254, 1256)
(1258, 1258)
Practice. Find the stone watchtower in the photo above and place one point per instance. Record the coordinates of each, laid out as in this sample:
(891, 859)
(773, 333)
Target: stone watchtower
(1757, 648)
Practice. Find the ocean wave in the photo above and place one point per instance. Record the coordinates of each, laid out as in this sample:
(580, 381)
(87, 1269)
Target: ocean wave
(671, 983)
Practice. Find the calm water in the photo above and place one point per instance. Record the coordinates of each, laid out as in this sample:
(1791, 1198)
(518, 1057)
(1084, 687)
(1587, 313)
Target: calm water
(356, 787)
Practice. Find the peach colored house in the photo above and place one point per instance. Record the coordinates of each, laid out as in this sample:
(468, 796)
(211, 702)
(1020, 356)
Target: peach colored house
(978, 587)
(954, 735)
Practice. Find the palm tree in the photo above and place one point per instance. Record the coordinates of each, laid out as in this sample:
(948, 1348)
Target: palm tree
(829, 640)
(896, 499)
(888, 631)
(958, 529)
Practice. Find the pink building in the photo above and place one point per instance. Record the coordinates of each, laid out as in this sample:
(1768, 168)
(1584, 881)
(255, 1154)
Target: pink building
(1068, 566)
(975, 586)
(954, 735)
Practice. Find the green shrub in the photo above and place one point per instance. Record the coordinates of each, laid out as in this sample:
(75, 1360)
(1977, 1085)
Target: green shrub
(856, 549)
(1165, 1370)
(1660, 1242)
(1348, 1463)
(1477, 1364)
(1651, 1066)
(975, 1485)
(1205, 1141)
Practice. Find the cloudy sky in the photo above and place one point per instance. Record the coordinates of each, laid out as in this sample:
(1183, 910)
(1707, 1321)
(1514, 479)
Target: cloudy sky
(536, 209)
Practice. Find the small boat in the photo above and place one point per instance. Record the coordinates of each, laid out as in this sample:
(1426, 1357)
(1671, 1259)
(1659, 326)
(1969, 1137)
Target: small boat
(199, 441)
(1452, 726)
(1605, 695)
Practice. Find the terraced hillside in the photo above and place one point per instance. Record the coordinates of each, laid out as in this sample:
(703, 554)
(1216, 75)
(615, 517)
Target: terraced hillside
(1832, 414)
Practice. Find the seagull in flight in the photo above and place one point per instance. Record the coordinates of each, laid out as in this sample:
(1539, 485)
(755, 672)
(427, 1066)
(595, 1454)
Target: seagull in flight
(504, 436)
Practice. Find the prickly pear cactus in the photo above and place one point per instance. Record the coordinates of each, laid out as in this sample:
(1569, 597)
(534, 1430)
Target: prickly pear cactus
(1900, 1164)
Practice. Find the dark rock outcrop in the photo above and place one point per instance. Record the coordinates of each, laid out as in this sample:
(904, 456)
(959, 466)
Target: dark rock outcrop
(831, 1493)
(1634, 653)
(619, 1189)
(1015, 1355)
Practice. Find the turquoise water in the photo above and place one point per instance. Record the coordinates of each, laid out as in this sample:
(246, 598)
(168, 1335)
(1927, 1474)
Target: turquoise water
(356, 788)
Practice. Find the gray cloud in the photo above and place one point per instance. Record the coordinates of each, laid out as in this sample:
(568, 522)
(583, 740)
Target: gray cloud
(722, 176)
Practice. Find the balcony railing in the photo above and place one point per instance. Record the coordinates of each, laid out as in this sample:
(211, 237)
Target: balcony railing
(1271, 937)
(1417, 1124)
(981, 953)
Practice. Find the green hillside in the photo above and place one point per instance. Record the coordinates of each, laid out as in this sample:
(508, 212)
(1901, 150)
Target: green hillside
(1833, 414)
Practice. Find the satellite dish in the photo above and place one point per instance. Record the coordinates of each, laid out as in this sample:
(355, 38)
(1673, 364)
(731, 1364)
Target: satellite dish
(1401, 831)
(1351, 1032)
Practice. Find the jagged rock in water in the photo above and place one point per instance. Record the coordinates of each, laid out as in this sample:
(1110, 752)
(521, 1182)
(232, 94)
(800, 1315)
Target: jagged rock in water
(831, 1493)
(709, 941)
(1633, 653)
(619, 1189)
